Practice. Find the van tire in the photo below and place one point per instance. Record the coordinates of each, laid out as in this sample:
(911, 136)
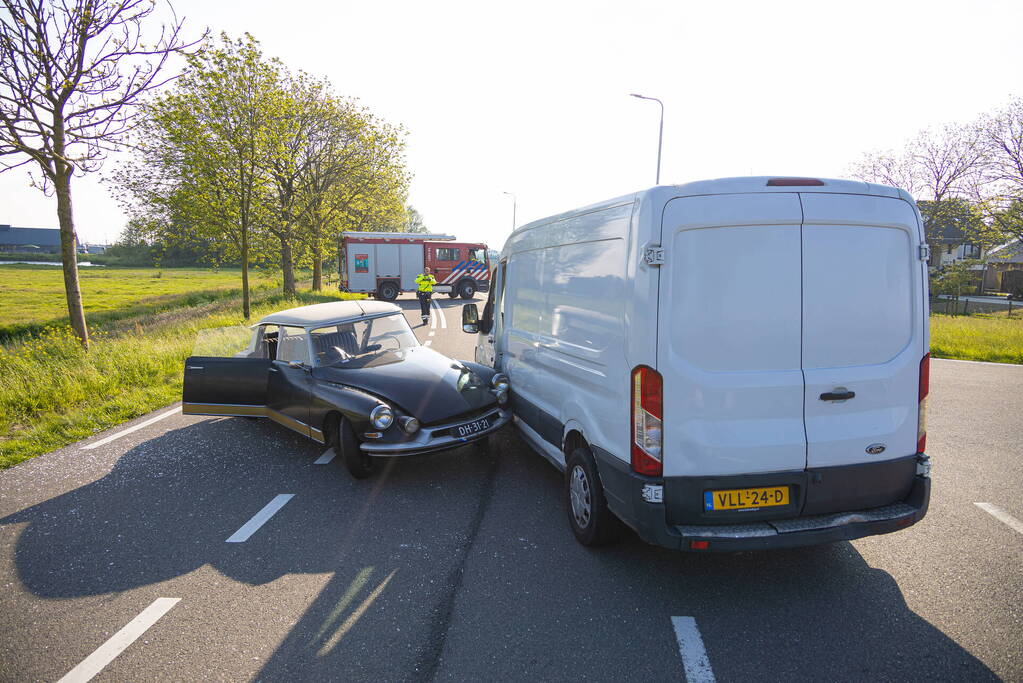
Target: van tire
(342, 439)
(467, 289)
(591, 520)
(388, 291)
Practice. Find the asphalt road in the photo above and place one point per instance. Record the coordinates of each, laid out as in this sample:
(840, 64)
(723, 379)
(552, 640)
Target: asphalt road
(461, 566)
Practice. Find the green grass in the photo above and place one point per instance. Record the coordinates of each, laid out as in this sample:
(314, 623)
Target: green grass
(53, 393)
(32, 296)
(994, 338)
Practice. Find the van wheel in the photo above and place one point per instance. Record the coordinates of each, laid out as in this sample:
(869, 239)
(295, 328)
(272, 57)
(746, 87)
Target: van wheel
(344, 443)
(588, 515)
(388, 291)
(467, 289)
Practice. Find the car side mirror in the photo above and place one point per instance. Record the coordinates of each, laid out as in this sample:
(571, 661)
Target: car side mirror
(470, 319)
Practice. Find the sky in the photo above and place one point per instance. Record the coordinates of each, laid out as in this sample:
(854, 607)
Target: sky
(532, 98)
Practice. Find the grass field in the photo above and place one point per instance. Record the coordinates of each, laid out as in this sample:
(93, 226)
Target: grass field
(32, 297)
(995, 338)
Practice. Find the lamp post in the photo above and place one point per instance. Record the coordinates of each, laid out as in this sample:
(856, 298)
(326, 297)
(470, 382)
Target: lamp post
(660, 133)
(515, 203)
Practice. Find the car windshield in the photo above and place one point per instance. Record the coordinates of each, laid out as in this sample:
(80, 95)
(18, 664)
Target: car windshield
(340, 343)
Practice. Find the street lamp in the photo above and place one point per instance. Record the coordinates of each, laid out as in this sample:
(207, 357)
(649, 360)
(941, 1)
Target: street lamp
(515, 203)
(660, 133)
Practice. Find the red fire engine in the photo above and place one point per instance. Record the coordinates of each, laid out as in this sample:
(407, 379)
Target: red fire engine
(387, 263)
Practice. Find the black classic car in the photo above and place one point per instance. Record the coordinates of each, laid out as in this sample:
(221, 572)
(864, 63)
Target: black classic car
(351, 374)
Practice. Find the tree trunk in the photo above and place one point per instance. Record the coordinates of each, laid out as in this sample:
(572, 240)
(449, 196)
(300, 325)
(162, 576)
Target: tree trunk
(69, 254)
(317, 269)
(287, 267)
(245, 273)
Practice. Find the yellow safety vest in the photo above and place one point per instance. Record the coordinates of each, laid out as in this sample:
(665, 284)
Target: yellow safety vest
(426, 282)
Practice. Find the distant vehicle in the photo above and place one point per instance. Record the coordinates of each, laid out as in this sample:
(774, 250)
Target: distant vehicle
(353, 375)
(385, 264)
(723, 365)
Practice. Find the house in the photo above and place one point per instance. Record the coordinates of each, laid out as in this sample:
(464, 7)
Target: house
(1001, 260)
(41, 240)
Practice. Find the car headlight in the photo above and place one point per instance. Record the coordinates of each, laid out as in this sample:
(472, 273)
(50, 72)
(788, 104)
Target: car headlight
(381, 417)
(500, 382)
(409, 425)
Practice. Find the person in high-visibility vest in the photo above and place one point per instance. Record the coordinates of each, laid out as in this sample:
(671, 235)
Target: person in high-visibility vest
(425, 282)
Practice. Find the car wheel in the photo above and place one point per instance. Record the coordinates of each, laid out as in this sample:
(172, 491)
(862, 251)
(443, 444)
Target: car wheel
(388, 291)
(588, 515)
(344, 443)
(467, 289)
(453, 294)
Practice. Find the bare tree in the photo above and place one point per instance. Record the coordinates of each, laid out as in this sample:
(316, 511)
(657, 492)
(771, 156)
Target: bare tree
(71, 72)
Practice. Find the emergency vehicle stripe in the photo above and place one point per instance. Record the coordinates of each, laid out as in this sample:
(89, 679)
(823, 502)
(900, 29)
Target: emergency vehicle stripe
(475, 269)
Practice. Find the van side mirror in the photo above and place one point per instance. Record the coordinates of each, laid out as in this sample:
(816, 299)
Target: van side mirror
(470, 319)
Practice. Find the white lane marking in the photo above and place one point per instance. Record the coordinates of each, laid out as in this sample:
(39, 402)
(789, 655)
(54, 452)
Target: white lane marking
(1001, 515)
(327, 456)
(690, 646)
(131, 429)
(978, 362)
(433, 320)
(105, 653)
(440, 314)
(427, 342)
(260, 518)
(433, 332)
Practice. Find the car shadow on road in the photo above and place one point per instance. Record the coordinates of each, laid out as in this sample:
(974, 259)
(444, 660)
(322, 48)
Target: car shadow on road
(168, 505)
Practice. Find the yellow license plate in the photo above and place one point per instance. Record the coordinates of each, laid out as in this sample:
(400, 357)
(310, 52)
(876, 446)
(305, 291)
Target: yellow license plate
(746, 499)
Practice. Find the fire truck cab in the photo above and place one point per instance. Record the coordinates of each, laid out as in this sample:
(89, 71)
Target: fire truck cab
(385, 264)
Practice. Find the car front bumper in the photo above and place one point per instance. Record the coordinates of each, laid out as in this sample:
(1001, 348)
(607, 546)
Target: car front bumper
(436, 438)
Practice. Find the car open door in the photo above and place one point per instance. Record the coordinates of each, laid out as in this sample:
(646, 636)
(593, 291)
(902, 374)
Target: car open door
(225, 386)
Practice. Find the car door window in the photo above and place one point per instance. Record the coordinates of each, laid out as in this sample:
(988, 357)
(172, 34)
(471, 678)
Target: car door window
(292, 345)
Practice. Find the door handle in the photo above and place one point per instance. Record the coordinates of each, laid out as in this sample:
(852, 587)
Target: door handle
(273, 369)
(840, 394)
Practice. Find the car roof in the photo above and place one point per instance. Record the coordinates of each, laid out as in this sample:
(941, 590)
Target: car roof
(323, 314)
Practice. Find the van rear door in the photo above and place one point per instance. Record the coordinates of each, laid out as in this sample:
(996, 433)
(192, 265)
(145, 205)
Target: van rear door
(863, 334)
(729, 330)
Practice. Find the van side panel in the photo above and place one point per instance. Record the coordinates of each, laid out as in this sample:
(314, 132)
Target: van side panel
(582, 343)
(862, 328)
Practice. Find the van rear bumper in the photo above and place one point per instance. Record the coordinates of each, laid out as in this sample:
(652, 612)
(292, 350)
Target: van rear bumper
(624, 491)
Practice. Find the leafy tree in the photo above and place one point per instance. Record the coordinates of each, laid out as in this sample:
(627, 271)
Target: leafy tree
(72, 74)
(202, 149)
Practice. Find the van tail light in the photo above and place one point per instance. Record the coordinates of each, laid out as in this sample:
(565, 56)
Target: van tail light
(925, 387)
(647, 413)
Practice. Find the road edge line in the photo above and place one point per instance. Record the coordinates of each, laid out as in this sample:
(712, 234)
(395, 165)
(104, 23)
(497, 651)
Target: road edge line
(690, 647)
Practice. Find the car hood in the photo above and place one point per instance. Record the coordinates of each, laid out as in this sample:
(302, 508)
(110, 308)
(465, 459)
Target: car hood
(420, 381)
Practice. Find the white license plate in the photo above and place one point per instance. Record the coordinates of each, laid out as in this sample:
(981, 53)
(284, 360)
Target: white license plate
(474, 427)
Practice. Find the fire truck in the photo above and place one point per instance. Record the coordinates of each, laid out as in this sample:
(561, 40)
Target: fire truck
(385, 264)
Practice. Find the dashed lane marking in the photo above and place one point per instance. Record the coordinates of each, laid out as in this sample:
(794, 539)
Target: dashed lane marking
(260, 518)
(1002, 516)
(327, 456)
(690, 646)
(433, 332)
(440, 314)
(129, 430)
(105, 653)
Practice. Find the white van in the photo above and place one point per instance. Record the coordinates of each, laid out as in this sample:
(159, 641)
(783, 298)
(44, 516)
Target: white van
(723, 365)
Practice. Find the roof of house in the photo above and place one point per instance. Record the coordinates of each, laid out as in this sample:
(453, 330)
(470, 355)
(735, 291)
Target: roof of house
(40, 237)
(1011, 251)
(324, 314)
